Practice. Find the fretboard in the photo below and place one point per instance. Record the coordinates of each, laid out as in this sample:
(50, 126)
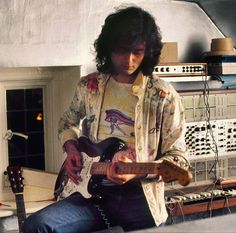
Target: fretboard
(20, 209)
(100, 168)
(168, 170)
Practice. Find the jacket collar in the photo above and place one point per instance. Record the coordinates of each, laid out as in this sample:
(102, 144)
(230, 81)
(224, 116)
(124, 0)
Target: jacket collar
(139, 84)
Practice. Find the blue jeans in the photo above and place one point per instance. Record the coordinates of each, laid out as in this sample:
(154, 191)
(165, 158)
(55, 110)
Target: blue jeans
(126, 207)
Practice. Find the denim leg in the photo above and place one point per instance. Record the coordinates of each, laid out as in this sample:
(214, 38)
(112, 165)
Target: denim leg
(134, 212)
(70, 215)
(129, 209)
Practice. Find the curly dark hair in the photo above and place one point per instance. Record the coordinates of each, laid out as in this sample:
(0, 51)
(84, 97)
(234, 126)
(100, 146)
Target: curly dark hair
(123, 29)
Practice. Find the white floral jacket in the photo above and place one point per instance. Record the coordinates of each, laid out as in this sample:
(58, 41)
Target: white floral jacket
(159, 126)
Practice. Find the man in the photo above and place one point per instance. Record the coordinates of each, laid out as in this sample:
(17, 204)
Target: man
(125, 101)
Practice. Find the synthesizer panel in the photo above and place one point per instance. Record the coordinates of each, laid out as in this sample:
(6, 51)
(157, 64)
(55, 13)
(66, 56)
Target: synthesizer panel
(205, 140)
(221, 105)
(212, 139)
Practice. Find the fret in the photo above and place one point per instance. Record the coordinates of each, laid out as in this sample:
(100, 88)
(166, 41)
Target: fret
(138, 168)
(20, 203)
(20, 209)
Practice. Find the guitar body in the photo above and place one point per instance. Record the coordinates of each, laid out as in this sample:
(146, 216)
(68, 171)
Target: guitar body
(92, 153)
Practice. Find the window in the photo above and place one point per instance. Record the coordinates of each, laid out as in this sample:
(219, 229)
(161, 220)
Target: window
(25, 115)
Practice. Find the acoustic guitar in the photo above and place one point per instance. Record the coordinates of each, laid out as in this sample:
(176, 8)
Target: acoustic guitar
(16, 180)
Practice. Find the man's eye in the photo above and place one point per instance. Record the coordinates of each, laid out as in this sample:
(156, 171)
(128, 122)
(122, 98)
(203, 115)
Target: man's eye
(138, 52)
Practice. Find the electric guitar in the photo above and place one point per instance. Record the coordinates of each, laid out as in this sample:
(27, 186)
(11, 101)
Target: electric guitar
(98, 156)
(16, 180)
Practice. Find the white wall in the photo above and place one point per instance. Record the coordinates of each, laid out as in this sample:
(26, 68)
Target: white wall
(62, 32)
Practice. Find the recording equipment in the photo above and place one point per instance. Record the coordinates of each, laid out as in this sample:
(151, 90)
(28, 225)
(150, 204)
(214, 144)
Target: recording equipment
(221, 65)
(220, 58)
(211, 143)
(222, 68)
(180, 69)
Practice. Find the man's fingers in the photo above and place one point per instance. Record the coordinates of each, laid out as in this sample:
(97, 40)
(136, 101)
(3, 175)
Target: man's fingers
(78, 162)
(75, 177)
(124, 158)
(76, 169)
(113, 176)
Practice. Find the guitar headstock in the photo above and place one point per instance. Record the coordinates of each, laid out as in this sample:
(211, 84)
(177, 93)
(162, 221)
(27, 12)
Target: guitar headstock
(16, 180)
(172, 171)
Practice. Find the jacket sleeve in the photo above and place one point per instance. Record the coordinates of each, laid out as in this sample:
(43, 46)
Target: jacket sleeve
(69, 123)
(173, 144)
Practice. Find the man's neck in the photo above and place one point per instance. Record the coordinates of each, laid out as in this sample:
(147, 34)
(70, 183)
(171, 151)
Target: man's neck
(125, 78)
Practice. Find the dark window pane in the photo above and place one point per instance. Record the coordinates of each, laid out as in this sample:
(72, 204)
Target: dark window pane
(36, 143)
(36, 162)
(16, 121)
(18, 162)
(34, 98)
(15, 99)
(33, 122)
(16, 147)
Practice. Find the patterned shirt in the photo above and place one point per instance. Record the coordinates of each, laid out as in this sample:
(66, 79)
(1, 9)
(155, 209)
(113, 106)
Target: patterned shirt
(159, 126)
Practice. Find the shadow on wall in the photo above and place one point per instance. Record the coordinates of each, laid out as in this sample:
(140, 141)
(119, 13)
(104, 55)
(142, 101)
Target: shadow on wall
(194, 52)
(222, 13)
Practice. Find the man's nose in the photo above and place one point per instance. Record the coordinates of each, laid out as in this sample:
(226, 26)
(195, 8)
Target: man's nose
(130, 57)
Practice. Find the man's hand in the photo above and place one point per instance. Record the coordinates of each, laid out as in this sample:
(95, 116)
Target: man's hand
(73, 162)
(121, 178)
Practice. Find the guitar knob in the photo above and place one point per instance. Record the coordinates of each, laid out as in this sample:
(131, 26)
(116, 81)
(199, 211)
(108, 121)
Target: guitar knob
(121, 146)
(176, 159)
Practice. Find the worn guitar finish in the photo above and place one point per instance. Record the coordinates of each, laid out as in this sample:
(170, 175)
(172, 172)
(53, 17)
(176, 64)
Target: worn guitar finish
(16, 181)
(97, 158)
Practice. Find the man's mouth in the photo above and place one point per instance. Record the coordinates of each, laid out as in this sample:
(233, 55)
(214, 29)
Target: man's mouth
(128, 67)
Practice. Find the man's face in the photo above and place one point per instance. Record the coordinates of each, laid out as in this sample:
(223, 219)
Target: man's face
(127, 60)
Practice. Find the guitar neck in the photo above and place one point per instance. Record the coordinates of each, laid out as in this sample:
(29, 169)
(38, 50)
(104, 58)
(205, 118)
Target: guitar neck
(100, 168)
(20, 209)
